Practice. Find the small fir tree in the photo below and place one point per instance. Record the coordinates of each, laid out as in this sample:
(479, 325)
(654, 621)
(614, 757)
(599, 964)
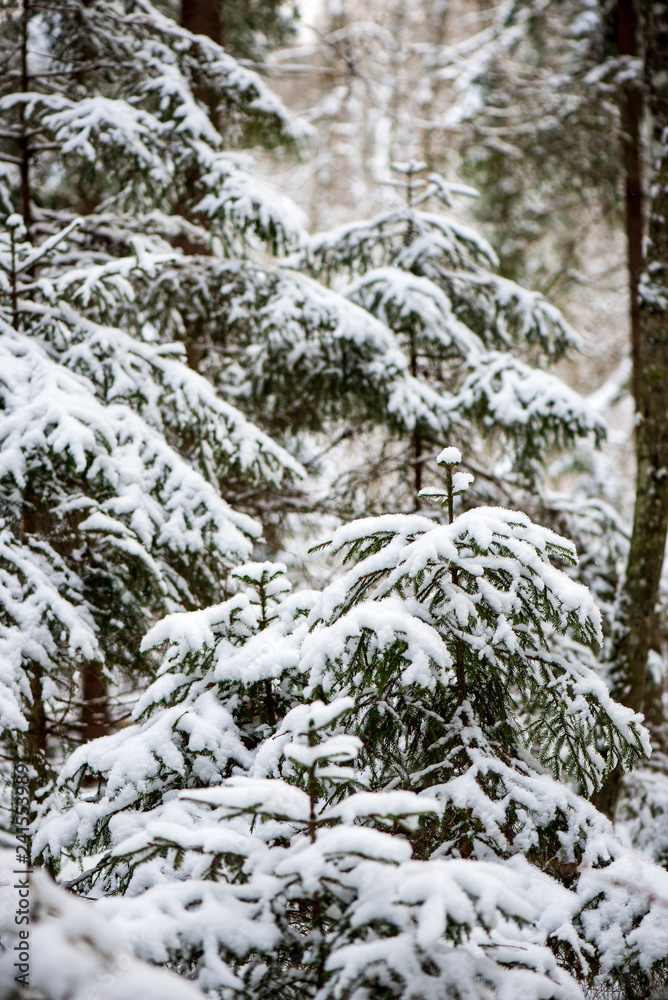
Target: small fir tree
(441, 638)
(312, 868)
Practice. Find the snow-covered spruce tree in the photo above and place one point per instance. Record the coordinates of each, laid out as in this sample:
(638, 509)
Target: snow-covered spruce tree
(118, 119)
(303, 884)
(114, 458)
(115, 117)
(472, 339)
(114, 112)
(142, 136)
(442, 638)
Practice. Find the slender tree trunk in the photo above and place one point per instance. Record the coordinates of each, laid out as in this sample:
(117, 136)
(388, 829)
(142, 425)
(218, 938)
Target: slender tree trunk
(33, 747)
(35, 518)
(94, 712)
(438, 18)
(24, 141)
(202, 17)
(37, 726)
(638, 607)
(631, 115)
(95, 703)
(417, 437)
(417, 465)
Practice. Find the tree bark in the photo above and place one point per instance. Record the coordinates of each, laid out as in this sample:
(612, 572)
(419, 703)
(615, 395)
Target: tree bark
(26, 202)
(95, 703)
(631, 108)
(417, 437)
(637, 622)
(37, 726)
(202, 17)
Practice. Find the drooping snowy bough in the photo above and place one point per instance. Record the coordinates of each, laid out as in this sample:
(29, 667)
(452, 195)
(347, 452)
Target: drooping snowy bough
(68, 950)
(480, 342)
(112, 466)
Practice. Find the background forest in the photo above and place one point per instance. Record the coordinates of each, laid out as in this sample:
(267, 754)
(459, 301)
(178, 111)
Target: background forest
(333, 499)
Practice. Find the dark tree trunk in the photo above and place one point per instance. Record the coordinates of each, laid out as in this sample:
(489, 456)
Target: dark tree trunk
(631, 108)
(35, 521)
(95, 703)
(37, 726)
(637, 622)
(417, 465)
(202, 17)
(34, 750)
(26, 202)
(417, 437)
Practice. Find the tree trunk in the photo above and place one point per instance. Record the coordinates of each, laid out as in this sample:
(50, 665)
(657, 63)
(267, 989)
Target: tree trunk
(33, 747)
(95, 703)
(631, 109)
(637, 621)
(417, 437)
(26, 204)
(36, 744)
(202, 17)
(35, 521)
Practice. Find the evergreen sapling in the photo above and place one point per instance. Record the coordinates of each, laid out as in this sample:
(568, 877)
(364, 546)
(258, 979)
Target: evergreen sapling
(438, 639)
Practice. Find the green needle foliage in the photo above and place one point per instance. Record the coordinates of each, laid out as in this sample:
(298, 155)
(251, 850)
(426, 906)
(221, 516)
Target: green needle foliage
(452, 648)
